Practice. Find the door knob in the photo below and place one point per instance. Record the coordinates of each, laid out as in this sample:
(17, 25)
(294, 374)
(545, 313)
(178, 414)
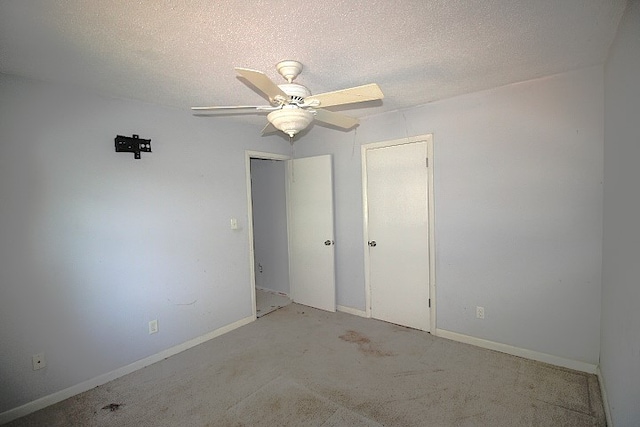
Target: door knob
(329, 242)
(373, 243)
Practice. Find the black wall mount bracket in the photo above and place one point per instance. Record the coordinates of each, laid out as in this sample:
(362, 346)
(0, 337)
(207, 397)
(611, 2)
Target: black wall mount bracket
(132, 144)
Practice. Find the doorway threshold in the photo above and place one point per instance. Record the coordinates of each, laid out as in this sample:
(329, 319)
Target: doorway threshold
(268, 301)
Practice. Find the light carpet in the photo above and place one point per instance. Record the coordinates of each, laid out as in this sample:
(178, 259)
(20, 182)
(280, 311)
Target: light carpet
(304, 367)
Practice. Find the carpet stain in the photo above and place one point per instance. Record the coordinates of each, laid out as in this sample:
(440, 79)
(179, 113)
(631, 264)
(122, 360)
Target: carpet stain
(113, 406)
(364, 344)
(419, 372)
(355, 337)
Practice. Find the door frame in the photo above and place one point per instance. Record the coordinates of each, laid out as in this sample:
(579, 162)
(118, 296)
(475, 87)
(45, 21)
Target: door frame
(252, 268)
(428, 138)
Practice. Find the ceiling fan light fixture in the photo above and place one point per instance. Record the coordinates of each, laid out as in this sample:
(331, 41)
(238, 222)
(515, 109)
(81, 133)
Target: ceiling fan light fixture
(290, 120)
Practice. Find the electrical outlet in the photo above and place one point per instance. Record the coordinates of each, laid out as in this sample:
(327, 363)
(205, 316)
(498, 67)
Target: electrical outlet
(153, 327)
(480, 312)
(38, 361)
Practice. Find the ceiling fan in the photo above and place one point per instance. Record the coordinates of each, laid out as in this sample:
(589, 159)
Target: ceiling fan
(293, 107)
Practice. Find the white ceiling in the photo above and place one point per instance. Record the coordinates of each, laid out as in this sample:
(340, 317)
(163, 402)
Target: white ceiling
(182, 52)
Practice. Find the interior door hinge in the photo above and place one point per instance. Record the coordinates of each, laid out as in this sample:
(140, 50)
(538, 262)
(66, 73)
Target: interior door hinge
(427, 161)
(429, 302)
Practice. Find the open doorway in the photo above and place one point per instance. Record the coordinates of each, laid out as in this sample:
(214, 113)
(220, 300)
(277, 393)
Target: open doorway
(268, 208)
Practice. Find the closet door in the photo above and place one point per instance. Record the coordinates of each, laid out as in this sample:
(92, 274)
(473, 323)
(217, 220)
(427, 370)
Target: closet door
(398, 233)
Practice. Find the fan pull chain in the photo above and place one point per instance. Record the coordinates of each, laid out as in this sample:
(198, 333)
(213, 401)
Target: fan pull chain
(406, 127)
(355, 137)
(293, 156)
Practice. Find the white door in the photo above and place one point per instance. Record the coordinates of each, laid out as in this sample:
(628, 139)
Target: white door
(398, 234)
(311, 238)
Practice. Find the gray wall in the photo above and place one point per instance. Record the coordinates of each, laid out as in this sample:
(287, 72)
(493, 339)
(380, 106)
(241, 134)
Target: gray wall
(518, 209)
(94, 244)
(268, 182)
(620, 339)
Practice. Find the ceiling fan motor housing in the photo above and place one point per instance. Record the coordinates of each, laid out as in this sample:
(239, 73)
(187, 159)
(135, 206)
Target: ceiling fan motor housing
(297, 93)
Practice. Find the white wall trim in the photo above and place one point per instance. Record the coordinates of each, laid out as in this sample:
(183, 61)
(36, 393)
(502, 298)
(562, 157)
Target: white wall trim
(61, 395)
(517, 351)
(350, 310)
(605, 399)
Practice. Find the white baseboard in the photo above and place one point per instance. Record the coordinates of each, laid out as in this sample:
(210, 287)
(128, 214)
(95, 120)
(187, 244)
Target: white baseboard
(605, 400)
(517, 351)
(61, 395)
(350, 310)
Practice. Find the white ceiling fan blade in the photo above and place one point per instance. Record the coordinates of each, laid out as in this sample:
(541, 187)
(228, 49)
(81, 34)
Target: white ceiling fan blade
(234, 107)
(336, 119)
(263, 83)
(368, 92)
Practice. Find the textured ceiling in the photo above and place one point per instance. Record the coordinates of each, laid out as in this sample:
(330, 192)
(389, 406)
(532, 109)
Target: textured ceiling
(182, 52)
